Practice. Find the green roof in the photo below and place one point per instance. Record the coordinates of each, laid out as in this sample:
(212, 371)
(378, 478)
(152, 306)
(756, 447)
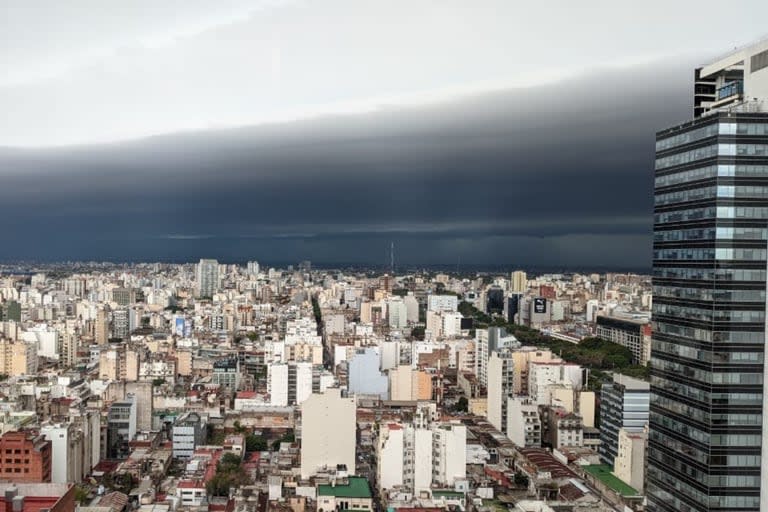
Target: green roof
(603, 473)
(356, 488)
(447, 492)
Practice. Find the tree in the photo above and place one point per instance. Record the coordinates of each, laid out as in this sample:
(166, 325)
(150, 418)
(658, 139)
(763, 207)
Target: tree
(81, 494)
(418, 332)
(462, 405)
(288, 437)
(521, 480)
(158, 382)
(229, 474)
(254, 443)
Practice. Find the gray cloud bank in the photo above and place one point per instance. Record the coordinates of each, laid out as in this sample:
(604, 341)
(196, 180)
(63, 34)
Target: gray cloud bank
(559, 175)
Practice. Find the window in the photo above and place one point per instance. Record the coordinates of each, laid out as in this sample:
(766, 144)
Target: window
(758, 61)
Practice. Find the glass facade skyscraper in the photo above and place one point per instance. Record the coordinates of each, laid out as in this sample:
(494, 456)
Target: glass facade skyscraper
(706, 418)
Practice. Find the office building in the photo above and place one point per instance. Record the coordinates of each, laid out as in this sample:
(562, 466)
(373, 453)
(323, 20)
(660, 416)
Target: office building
(706, 447)
(633, 333)
(494, 300)
(121, 428)
(623, 405)
(189, 432)
(207, 278)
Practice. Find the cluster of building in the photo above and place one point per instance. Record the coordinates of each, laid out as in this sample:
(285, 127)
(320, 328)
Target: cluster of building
(134, 386)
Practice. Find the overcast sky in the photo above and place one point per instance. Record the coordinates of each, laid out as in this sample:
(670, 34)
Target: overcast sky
(491, 131)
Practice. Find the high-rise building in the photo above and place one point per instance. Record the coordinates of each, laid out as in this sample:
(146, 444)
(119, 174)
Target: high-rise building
(419, 456)
(207, 278)
(120, 323)
(623, 405)
(121, 428)
(328, 432)
(501, 370)
(518, 282)
(707, 448)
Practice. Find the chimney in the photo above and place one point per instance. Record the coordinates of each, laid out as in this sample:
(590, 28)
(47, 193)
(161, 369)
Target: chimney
(10, 494)
(18, 504)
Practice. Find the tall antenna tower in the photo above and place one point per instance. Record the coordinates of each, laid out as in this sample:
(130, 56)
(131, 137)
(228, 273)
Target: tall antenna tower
(392, 258)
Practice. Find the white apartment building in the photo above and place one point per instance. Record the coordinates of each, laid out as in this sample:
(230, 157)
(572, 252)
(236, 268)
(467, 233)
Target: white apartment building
(416, 456)
(501, 371)
(328, 432)
(544, 374)
(523, 422)
(442, 303)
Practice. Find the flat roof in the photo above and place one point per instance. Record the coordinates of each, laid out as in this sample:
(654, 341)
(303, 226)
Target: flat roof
(357, 487)
(631, 382)
(603, 473)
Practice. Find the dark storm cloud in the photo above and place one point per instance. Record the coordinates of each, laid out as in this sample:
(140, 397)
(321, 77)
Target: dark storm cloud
(560, 174)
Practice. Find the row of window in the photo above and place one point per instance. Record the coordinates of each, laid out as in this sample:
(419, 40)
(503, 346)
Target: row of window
(709, 192)
(681, 409)
(709, 294)
(703, 132)
(742, 212)
(721, 253)
(681, 390)
(742, 149)
(708, 314)
(708, 336)
(712, 171)
(691, 156)
(707, 501)
(708, 212)
(678, 427)
(710, 151)
(688, 176)
(706, 356)
(711, 212)
(708, 274)
(660, 499)
(707, 377)
(711, 233)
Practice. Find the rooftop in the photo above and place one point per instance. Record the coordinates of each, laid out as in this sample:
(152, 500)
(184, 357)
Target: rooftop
(603, 473)
(356, 487)
(631, 382)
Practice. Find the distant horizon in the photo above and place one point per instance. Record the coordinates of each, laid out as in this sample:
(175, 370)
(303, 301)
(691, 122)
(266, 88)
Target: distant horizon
(319, 265)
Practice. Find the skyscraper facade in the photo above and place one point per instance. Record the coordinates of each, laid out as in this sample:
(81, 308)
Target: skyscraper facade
(207, 277)
(707, 427)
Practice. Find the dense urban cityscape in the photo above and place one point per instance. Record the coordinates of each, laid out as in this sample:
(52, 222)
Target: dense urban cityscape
(209, 383)
(214, 385)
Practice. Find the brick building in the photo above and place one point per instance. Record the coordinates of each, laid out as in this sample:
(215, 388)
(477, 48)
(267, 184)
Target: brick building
(25, 457)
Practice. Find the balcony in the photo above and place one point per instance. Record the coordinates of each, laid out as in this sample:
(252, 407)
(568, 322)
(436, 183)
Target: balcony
(730, 89)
